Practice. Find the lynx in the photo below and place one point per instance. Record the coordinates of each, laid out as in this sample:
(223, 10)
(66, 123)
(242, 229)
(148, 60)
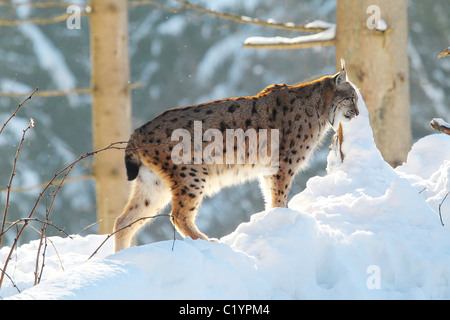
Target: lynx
(290, 121)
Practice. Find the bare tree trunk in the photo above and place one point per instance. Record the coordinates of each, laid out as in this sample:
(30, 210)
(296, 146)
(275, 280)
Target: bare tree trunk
(377, 62)
(111, 106)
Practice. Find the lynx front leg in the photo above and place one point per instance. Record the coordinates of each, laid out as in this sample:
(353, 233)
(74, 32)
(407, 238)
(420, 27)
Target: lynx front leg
(276, 188)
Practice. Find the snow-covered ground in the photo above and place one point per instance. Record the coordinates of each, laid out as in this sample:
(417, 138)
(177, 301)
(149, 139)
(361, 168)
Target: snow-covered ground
(363, 231)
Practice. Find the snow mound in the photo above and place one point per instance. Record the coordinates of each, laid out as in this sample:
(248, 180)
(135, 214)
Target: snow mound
(363, 231)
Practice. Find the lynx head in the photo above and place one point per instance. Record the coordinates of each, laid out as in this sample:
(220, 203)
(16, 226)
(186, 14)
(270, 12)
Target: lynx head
(344, 105)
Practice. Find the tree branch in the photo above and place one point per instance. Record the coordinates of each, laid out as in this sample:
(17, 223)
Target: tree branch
(324, 38)
(46, 4)
(444, 53)
(59, 18)
(440, 125)
(250, 20)
(56, 93)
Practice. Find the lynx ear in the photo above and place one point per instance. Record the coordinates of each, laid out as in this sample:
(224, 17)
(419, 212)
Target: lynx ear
(342, 64)
(340, 78)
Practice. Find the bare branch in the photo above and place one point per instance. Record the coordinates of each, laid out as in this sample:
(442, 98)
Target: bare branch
(13, 173)
(17, 109)
(59, 18)
(48, 94)
(46, 4)
(56, 93)
(440, 205)
(64, 16)
(66, 170)
(10, 279)
(250, 20)
(123, 228)
(42, 185)
(28, 220)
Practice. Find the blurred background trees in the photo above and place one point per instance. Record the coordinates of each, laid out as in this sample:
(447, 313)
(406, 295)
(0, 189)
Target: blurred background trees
(178, 57)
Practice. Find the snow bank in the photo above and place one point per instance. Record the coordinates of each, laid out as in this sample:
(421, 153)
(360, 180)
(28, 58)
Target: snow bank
(363, 231)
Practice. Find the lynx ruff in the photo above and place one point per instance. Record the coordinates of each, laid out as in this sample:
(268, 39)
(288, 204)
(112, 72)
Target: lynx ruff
(290, 121)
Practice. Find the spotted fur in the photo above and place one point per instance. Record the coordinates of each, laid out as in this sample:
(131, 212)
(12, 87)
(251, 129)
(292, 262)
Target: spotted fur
(302, 115)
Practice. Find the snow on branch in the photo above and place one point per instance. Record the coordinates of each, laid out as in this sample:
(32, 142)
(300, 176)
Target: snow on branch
(325, 32)
(324, 38)
(268, 23)
(440, 125)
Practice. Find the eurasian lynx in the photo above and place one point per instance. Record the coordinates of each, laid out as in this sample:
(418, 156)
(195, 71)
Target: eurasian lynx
(290, 121)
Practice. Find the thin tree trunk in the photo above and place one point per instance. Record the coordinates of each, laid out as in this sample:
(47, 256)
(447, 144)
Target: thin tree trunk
(377, 62)
(111, 106)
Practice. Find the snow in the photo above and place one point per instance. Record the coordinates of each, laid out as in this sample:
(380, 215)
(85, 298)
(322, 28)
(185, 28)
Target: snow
(319, 24)
(441, 122)
(362, 231)
(381, 25)
(326, 35)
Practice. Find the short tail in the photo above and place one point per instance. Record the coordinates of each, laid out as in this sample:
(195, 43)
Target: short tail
(132, 161)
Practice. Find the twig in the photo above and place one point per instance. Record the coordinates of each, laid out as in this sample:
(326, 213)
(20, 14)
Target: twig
(66, 170)
(42, 185)
(17, 109)
(37, 275)
(11, 280)
(28, 220)
(13, 173)
(57, 254)
(425, 188)
(440, 205)
(123, 228)
(87, 227)
(46, 239)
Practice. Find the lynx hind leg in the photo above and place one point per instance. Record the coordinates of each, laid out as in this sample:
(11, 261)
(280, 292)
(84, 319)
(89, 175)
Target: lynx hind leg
(185, 205)
(149, 195)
